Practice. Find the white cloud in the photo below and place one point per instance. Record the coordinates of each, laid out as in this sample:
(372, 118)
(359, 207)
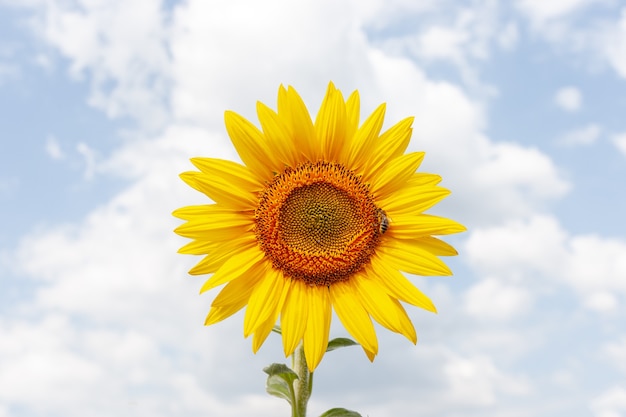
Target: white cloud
(569, 98)
(518, 246)
(597, 263)
(54, 366)
(37, 359)
(614, 45)
(611, 403)
(541, 11)
(595, 41)
(53, 148)
(508, 36)
(119, 47)
(508, 163)
(619, 141)
(89, 157)
(442, 43)
(601, 301)
(454, 34)
(616, 353)
(583, 136)
(232, 72)
(380, 14)
(541, 252)
(468, 384)
(461, 34)
(476, 381)
(506, 183)
(494, 299)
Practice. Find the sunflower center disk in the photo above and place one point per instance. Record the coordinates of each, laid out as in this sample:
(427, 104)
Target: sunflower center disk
(317, 222)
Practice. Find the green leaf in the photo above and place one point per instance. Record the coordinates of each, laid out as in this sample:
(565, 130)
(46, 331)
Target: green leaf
(280, 369)
(340, 342)
(278, 387)
(340, 412)
(280, 381)
(277, 329)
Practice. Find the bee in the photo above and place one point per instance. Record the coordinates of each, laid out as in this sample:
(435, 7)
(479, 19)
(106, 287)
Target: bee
(383, 221)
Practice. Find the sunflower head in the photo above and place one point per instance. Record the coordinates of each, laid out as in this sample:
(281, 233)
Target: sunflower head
(322, 215)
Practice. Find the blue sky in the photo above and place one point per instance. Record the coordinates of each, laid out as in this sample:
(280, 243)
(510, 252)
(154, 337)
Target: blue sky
(519, 106)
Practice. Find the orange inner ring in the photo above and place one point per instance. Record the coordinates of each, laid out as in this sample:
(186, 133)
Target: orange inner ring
(317, 222)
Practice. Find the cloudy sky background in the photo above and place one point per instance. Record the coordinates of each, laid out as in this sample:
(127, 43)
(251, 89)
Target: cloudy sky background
(519, 106)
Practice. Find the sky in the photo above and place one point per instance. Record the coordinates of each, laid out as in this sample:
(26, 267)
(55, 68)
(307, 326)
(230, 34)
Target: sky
(519, 106)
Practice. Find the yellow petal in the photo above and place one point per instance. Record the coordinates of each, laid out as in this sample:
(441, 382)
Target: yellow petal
(330, 124)
(434, 246)
(223, 168)
(353, 315)
(365, 139)
(219, 234)
(264, 329)
(234, 267)
(385, 310)
(278, 135)
(209, 226)
(214, 221)
(209, 264)
(317, 325)
(197, 247)
(398, 286)
(294, 316)
(239, 290)
(353, 110)
(389, 146)
(395, 174)
(251, 146)
(264, 300)
(292, 108)
(412, 259)
(234, 296)
(221, 190)
(220, 253)
(412, 200)
(411, 226)
(217, 314)
(203, 247)
(423, 178)
(189, 212)
(202, 212)
(370, 355)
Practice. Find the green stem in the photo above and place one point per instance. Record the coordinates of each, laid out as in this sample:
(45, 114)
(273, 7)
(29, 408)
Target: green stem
(303, 385)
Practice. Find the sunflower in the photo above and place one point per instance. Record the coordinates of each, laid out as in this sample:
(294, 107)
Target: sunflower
(321, 215)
